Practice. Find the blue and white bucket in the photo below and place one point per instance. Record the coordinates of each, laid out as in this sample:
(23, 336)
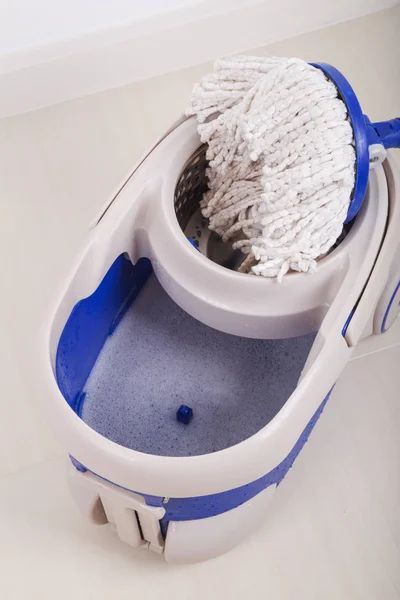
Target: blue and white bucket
(145, 324)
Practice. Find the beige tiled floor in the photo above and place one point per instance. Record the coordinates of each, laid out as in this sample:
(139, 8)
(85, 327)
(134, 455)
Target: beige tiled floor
(334, 528)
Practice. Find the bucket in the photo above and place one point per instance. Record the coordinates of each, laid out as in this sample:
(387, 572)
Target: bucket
(184, 390)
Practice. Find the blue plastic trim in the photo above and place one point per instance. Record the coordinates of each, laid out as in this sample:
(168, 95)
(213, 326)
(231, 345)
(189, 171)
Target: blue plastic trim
(78, 466)
(347, 94)
(91, 321)
(387, 133)
(346, 325)
(79, 404)
(191, 241)
(202, 507)
(383, 327)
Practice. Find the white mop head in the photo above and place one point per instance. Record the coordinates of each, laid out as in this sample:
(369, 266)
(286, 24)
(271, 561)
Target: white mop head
(281, 160)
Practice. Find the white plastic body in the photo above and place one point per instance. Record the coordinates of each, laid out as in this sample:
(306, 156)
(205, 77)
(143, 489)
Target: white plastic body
(136, 523)
(141, 221)
(195, 541)
(187, 541)
(377, 154)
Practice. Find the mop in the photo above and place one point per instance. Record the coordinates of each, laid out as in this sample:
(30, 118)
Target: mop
(281, 161)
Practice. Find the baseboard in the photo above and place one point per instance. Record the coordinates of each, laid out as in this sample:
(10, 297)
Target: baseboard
(194, 34)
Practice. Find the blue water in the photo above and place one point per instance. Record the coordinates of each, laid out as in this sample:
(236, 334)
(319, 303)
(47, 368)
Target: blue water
(159, 357)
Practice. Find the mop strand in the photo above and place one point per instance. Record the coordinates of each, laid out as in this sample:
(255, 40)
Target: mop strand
(281, 160)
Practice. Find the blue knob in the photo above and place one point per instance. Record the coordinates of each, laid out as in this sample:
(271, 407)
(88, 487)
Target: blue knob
(184, 414)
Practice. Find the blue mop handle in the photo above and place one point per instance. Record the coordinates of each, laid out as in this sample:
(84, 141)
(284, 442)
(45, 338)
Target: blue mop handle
(386, 133)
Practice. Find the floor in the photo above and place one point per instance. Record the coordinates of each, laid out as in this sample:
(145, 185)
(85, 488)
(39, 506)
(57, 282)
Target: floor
(333, 531)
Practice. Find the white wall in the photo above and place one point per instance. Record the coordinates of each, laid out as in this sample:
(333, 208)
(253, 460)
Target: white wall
(29, 23)
(56, 50)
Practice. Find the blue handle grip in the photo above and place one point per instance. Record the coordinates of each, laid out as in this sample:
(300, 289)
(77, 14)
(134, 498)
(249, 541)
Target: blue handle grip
(386, 133)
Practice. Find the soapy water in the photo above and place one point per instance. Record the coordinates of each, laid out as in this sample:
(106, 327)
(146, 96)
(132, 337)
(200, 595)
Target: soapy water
(159, 358)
